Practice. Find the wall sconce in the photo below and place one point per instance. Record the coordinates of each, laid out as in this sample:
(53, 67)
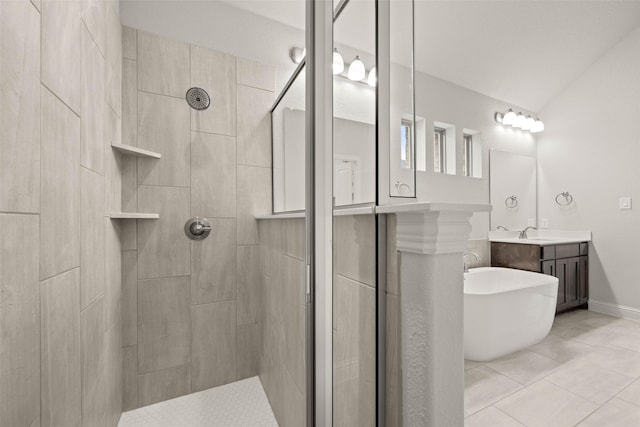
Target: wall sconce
(519, 121)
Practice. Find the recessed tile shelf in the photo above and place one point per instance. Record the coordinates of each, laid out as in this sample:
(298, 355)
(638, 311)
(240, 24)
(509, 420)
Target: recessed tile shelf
(135, 151)
(133, 215)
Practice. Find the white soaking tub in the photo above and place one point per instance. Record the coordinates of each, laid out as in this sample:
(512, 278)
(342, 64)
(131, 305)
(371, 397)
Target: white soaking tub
(506, 310)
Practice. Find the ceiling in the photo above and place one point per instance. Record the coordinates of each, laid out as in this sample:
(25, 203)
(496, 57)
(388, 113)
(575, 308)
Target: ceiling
(520, 51)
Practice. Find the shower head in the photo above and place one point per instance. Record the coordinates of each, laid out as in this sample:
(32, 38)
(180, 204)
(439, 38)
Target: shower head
(198, 98)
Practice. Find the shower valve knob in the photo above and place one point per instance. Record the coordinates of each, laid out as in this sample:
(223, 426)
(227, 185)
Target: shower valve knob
(197, 228)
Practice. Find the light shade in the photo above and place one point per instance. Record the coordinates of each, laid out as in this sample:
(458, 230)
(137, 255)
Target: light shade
(372, 80)
(338, 62)
(509, 117)
(530, 122)
(356, 70)
(538, 126)
(518, 122)
(526, 123)
(297, 54)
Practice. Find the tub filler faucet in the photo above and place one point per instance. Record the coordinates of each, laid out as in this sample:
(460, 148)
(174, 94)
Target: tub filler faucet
(523, 233)
(465, 264)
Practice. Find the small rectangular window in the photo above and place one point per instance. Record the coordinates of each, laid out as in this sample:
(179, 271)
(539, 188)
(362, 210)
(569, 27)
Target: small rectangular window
(406, 144)
(468, 154)
(439, 149)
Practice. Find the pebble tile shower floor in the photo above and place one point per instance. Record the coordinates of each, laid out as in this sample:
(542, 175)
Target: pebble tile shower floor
(239, 404)
(585, 373)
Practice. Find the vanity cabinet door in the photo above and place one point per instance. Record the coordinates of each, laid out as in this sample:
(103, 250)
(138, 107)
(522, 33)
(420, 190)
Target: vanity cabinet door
(568, 277)
(549, 267)
(583, 280)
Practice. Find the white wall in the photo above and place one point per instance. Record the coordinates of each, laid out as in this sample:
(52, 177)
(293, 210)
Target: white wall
(441, 101)
(590, 148)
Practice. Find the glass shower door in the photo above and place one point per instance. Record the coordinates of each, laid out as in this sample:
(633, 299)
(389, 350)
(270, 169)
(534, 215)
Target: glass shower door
(354, 222)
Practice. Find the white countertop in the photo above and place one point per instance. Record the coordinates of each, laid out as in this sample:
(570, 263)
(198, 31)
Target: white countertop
(357, 210)
(433, 206)
(390, 209)
(541, 237)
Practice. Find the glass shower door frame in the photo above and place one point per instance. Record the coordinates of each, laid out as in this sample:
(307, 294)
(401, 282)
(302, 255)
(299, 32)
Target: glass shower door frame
(319, 211)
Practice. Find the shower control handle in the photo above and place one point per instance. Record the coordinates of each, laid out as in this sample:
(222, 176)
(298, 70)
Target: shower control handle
(197, 228)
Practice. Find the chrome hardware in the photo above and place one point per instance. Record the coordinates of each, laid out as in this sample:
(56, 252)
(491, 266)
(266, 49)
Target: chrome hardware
(399, 185)
(197, 228)
(568, 198)
(465, 264)
(500, 227)
(523, 233)
(511, 202)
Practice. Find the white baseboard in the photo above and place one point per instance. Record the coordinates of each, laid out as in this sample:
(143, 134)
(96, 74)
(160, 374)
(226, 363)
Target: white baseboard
(622, 311)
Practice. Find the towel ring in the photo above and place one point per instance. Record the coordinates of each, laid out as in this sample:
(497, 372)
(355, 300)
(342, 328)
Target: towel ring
(399, 186)
(568, 198)
(511, 202)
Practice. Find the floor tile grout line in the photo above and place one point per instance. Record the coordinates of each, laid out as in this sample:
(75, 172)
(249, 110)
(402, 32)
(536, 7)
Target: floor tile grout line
(561, 365)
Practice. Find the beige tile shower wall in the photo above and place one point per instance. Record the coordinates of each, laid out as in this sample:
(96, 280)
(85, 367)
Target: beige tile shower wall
(282, 350)
(354, 321)
(190, 309)
(282, 318)
(61, 362)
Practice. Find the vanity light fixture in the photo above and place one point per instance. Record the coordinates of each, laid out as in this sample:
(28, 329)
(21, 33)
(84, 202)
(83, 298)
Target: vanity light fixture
(538, 126)
(530, 123)
(508, 117)
(338, 62)
(372, 80)
(519, 121)
(356, 70)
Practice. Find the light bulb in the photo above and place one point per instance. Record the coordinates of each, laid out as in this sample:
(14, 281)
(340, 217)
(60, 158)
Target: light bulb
(508, 117)
(373, 77)
(338, 62)
(518, 122)
(538, 126)
(356, 70)
(526, 125)
(297, 54)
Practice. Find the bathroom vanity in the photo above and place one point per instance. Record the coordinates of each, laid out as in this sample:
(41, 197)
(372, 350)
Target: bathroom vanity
(564, 255)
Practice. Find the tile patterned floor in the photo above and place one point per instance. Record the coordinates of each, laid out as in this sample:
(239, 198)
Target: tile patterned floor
(585, 373)
(239, 404)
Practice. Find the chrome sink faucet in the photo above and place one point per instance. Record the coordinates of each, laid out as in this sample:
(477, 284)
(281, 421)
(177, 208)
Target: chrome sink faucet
(500, 227)
(465, 263)
(523, 233)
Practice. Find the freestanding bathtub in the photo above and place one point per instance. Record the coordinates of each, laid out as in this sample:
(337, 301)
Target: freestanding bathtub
(506, 310)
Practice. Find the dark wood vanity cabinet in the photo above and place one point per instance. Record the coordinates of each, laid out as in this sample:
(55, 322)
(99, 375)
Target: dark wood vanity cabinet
(568, 262)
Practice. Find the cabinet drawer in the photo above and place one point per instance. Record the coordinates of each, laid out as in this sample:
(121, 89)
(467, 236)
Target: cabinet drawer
(568, 251)
(584, 249)
(548, 252)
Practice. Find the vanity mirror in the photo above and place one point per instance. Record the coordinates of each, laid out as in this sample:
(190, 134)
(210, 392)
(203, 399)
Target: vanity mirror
(512, 190)
(354, 114)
